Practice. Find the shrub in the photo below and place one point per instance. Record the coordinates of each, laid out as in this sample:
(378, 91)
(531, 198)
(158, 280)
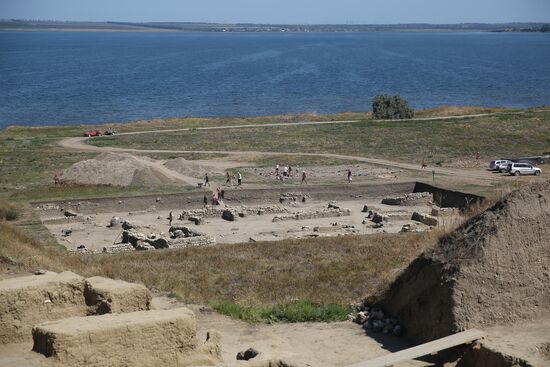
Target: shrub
(8, 211)
(391, 108)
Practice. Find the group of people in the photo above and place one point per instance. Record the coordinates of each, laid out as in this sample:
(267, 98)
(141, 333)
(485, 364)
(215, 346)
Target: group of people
(285, 172)
(229, 179)
(216, 197)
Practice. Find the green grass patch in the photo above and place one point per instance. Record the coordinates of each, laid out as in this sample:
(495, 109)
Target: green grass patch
(294, 311)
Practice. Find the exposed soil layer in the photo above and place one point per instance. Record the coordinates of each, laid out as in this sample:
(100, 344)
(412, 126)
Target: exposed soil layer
(493, 270)
(143, 338)
(25, 301)
(194, 199)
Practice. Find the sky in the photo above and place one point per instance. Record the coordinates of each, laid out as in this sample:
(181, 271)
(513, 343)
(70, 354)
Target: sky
(282, 11)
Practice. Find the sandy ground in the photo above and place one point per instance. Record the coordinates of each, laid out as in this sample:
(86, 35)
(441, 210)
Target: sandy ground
(316, 344)
(529, 340)
(308, 344)
(305, 344)
(93, 232)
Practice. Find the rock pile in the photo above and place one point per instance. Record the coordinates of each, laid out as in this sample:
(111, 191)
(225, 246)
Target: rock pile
(313, 214)
(374, 319)
(415, 198)
(177, 237)
(292, 197)
(217, 212)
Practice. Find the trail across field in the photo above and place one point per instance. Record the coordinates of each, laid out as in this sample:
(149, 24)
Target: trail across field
(79, 143)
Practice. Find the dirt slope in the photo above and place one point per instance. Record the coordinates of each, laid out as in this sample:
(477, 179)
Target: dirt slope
(123, 169)
(493, 270)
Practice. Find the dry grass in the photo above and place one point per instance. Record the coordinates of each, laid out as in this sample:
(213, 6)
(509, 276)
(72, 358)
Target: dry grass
(325, 271)
(439, 141)
(444, 111)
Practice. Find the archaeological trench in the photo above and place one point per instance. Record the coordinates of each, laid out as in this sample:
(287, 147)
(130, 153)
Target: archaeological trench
(490, 272)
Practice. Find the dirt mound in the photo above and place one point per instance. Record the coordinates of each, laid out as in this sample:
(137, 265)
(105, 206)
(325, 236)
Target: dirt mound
(494, 269)
(120, 169)
(190, 168)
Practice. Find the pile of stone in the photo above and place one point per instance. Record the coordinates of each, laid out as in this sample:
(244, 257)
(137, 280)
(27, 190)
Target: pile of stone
(415, 198)
(177, 237)
(289, 198)
(181, 237)
(216, 211)
(374, 319)
(408, 228)
(118, 247)
(313, 214)
(425, 219)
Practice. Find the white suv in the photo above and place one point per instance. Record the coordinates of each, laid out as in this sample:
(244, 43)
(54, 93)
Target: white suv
(517, 169)
(494, 165)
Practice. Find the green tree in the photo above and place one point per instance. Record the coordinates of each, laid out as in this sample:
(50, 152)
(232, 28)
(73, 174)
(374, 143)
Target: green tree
(391, 108)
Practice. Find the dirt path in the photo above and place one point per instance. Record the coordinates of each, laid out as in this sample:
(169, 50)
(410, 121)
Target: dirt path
(79, 143)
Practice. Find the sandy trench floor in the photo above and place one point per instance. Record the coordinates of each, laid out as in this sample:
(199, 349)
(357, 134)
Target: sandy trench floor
(93, 232)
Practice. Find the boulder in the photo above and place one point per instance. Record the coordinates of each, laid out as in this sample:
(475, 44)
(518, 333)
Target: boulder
(115, 221)
(424, 218)
(196, 220)
(229, 215)
(379, 218)
(247, 354)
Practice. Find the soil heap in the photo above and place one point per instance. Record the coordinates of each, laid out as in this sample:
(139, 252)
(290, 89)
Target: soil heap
(494, 269)
(120, 169)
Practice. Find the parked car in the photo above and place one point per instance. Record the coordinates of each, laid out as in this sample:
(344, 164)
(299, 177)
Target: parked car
(517, 169)
(91, 133)
(503, 167)
(494, 165)
(110, 131)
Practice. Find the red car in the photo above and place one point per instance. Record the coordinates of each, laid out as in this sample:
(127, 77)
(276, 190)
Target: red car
(91, 133)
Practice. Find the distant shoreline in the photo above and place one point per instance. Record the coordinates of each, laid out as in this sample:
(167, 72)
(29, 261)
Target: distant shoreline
(59, 26)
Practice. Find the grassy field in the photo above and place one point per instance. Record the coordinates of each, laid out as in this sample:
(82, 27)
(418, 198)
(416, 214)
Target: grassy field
(436, 141)
(29, 156)
(293, 280)
(257, 281)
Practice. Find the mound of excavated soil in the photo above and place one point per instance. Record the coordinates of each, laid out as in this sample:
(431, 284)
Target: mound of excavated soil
(492, 270)
(120, 169)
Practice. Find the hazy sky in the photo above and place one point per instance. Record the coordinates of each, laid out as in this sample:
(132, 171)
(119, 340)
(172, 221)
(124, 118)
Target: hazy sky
(282, 11)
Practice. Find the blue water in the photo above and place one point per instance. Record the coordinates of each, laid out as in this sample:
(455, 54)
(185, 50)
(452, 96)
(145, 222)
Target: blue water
(68, 78)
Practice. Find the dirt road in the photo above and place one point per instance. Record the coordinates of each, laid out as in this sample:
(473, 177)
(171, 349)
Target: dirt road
(79, 143)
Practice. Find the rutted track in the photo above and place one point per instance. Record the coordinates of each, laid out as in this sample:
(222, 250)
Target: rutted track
(79, 143)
